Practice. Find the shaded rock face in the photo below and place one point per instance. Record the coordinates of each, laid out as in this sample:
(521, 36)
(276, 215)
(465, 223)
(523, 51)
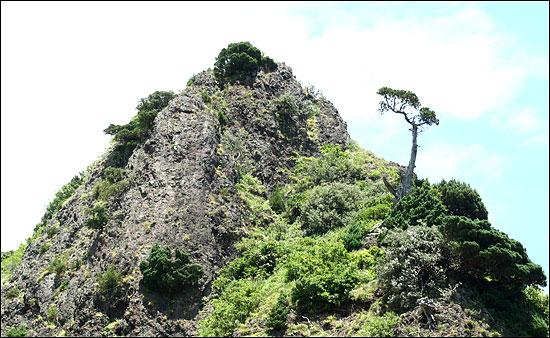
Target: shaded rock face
(181, 193)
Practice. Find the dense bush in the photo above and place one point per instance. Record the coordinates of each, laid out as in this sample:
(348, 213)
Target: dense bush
(286, 105)
(415, 266)
(334, 165)
(238, 299)
(161, 272)
(98, 218)
(422, 206)
(276, 319)
(20, 331)
(324, 274)
(112, 185)
(353, 236)
(461, 200)
(241, 61)
(128, 136)
(109, 280)
(257, 261)
(329, 206)
(378, 326)
(486, 252)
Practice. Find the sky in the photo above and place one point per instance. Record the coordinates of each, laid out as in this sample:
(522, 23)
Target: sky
(69, 69)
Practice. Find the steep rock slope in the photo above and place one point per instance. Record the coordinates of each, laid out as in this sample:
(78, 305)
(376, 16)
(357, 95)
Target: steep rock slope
(179, 192)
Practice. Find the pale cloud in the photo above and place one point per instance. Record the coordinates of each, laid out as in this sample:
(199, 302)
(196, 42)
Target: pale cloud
(527, 123)
(467, 163)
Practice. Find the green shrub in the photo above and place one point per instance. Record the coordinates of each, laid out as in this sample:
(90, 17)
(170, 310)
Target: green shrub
(379, 326)
(52, 313)
(52, 230)
(21, 331)
(58, 265)
(422, 206)
(324, 274)
(13, 292)
(161, 272)
(44, 247)
(414, 266)
(109, 280)
(286, 105)
(112, 185)
(232, 307)
(276, 319)
(334, 165)
(276, 199)
(240, 62)
(461, 200)
(222, 119)
(487, 252)
(130, 135)
(98, 218)
(330, 206)
(353, 237)
(257, 261)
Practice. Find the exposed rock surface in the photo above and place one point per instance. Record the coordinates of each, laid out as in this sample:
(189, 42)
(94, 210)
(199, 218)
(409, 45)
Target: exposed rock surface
(181, 194)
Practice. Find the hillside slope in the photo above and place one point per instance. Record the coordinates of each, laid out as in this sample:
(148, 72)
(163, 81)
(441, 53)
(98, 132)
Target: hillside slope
(244, 209)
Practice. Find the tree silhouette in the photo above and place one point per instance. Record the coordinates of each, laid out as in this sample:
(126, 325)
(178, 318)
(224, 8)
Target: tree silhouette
(406, 103)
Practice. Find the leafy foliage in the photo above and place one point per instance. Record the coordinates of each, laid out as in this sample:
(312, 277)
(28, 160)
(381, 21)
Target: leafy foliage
(277, 316)
(486, 252)
(461, 200)
(20, 331)
(98, 218)
(258, 261)
(112, 185)
(415, 266)
(234, 304)
(130, 135)
(403, 102)
(423, 206)
(324, 274)
(378, 326)
(330, 206)
(286, 104)
(161, 272)
(240, 61)
(109, 280)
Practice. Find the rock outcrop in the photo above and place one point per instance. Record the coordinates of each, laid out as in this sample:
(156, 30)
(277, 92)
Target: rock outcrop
(180, 192)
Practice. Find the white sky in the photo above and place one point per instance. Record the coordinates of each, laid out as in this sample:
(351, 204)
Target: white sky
(70, 69)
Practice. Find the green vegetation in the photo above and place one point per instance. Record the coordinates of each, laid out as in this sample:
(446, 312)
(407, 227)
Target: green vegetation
(58, 265)
(163, 273)
(461, 200)
(98, 218)
(109, 280)
(421, 207)
(21, 331)
(415, 266)
(489, 254)
(371, 325)
(240, 62)
(329, 206)
(323, 273)
(129, 136)
(286, 105)
(277, 315)
(52, 313)
(112, 185)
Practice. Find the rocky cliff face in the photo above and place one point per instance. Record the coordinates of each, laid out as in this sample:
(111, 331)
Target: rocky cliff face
(179, 192)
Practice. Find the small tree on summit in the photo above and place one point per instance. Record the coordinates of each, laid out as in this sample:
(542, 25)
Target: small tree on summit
(241, 61)
(406, 103)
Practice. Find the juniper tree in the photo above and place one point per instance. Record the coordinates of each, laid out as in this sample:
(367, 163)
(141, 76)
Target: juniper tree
(406, 103)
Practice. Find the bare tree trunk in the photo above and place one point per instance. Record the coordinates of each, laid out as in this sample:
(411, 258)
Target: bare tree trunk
(407, 179)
